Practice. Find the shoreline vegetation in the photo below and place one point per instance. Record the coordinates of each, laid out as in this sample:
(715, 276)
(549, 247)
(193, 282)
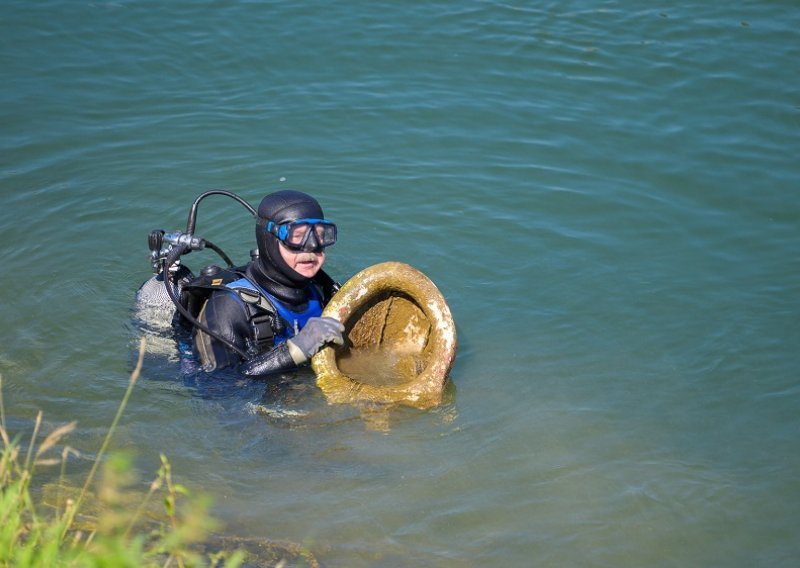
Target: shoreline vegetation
(109, 521)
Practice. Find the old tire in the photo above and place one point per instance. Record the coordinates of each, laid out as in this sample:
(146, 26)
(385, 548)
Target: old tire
(394, 312)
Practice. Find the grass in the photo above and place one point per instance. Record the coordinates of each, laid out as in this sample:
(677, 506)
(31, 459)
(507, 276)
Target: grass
(114, 526)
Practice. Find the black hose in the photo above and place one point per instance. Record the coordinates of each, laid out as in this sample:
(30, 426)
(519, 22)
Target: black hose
(192, 221)
(177, 251)
(220, 252)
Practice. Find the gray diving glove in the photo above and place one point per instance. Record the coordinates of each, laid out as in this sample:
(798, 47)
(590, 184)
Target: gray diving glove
(313, 337)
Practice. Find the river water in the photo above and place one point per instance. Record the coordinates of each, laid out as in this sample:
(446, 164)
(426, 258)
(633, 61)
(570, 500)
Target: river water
(606, 193)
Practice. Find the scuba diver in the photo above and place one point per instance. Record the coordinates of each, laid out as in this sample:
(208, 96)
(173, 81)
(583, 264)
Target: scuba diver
(264, 317)
(283, 328)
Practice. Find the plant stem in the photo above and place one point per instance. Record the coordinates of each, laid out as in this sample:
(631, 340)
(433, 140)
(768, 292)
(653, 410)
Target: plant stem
(107, 440)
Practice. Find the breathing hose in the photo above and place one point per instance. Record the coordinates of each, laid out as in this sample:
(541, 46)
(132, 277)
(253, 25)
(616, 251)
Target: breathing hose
(192, 221)
(180, 248)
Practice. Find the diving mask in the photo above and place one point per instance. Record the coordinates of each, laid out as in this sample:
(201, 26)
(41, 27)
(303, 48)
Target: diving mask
(304, 234)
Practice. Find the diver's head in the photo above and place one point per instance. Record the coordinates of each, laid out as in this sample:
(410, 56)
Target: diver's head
(292, 234)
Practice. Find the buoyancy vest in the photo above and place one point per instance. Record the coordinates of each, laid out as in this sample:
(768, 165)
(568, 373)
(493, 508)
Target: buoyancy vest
(291, 321)
(271, 321)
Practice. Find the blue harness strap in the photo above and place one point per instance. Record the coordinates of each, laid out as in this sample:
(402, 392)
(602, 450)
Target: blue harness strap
(293, 321)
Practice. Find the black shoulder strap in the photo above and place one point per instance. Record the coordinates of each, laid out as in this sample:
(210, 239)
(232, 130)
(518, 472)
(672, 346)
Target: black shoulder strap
(252, 297)
(261, 314)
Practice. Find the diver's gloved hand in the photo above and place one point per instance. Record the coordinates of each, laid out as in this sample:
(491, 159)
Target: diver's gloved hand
(313, 337)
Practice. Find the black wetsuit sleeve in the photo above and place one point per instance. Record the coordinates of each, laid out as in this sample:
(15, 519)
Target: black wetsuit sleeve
(226, 315)
(275, 360)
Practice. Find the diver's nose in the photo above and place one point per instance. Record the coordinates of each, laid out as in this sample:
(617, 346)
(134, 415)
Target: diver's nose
(312, 244)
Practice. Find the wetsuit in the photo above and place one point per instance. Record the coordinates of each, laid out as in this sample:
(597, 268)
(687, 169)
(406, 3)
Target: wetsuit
(259, 333)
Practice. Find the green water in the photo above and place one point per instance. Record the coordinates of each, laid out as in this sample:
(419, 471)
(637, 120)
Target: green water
(606, 194)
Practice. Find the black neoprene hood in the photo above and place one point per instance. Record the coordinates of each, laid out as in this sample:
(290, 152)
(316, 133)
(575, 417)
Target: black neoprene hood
(280, 207)
(289, 205)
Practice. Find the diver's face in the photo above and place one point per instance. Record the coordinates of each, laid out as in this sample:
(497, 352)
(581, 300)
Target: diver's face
(305, 263)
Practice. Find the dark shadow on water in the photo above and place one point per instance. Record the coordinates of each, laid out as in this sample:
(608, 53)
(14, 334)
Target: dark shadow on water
(283, 401)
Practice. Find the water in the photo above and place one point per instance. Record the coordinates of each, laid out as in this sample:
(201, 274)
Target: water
(606, 194)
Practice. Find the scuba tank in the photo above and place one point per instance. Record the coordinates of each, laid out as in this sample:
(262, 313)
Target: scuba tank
(153, 307)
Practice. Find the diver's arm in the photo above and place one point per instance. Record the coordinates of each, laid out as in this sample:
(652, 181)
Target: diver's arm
(225, 315)
(298, 350)
(276, 360)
